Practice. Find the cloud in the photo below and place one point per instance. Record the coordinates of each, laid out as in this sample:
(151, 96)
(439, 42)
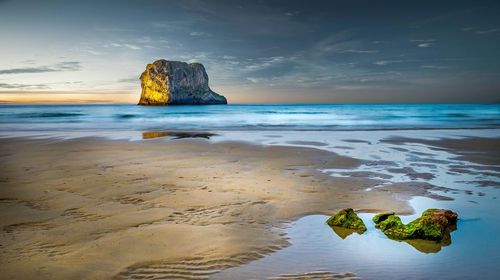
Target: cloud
(199, 34)
(357, 51)
(291, 14)
(387, 62)
(434, 67)
(129, 80)
(145, 40)
(60, 67)
(132, 47)
(114, 29)
(424, 45)
(264, 63)
(68, 66)
(253, 80)
(127, 46)
(23, 86)
(487, 31)
(160, 25)
(423, 40)
(90, 51)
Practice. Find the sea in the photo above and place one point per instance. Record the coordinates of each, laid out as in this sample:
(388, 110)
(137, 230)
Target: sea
(105, 118)
(357, 131)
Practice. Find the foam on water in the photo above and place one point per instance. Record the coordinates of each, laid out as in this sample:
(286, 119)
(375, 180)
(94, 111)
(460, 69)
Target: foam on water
(101, 118)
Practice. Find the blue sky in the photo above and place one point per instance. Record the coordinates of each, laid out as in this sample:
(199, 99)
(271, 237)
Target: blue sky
(254, 51)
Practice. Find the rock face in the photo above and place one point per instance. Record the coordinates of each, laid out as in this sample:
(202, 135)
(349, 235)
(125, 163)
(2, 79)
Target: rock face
(177, 83)
(346, 218)
(434, 224)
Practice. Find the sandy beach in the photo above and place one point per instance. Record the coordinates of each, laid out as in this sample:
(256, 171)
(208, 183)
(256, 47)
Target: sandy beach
(73, 203)
(98, 209)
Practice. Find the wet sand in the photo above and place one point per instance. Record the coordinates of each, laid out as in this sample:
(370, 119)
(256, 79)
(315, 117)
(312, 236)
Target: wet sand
(473, 149)
(471, 255)
(100, 209)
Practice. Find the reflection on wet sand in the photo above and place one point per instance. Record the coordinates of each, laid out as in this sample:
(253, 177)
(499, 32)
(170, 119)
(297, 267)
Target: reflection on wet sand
(176, 134)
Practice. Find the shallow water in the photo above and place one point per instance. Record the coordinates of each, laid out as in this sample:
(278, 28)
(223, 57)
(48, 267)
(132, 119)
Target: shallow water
(473, 253)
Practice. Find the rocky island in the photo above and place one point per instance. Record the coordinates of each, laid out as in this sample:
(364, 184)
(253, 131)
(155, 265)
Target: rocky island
(167, 82)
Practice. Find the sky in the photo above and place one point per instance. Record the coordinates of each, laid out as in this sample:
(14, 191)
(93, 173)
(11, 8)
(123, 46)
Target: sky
(64, 51)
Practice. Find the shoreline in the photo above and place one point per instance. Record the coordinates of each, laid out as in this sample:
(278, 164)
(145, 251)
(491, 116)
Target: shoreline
(165, 201)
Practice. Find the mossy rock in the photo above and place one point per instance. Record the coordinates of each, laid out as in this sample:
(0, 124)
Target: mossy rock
(434, 224)
(346, 218)
(380, 217)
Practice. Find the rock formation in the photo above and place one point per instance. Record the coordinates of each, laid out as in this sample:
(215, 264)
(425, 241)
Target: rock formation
(346, 218)
(434, 224)
(177, 83)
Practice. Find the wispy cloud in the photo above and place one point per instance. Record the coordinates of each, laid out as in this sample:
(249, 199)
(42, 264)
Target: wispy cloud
(480, 32)
(422, 40)
(487, 31)
(253, 80)
(114, 29)
(132, 47)
(387, 62)
(434, 67)
(424, 45)
(128, 80)
(357, 51)
(123, 45)
(90, 51)
(199, 34)
(264, 62)
(60, 67)
(23, 86)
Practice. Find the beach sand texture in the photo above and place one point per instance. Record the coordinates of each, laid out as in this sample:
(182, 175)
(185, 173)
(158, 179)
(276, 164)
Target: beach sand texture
(98, 209)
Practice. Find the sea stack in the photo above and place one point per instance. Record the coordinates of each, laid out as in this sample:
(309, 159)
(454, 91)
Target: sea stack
(167, 82)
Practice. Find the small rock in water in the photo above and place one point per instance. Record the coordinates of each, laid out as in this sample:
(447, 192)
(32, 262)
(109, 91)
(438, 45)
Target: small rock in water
(347, 218)
(434, 224)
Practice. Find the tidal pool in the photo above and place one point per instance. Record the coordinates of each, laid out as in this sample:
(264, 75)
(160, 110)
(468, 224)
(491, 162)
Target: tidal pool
(473, 253)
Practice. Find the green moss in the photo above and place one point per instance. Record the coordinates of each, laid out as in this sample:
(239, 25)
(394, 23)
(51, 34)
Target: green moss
(434, 224)
(346, 218)
(381, 217)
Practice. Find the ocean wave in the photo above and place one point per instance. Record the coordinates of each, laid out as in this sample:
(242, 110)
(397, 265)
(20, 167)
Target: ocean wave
(250, 117)
(48, 115)
(126, 116)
